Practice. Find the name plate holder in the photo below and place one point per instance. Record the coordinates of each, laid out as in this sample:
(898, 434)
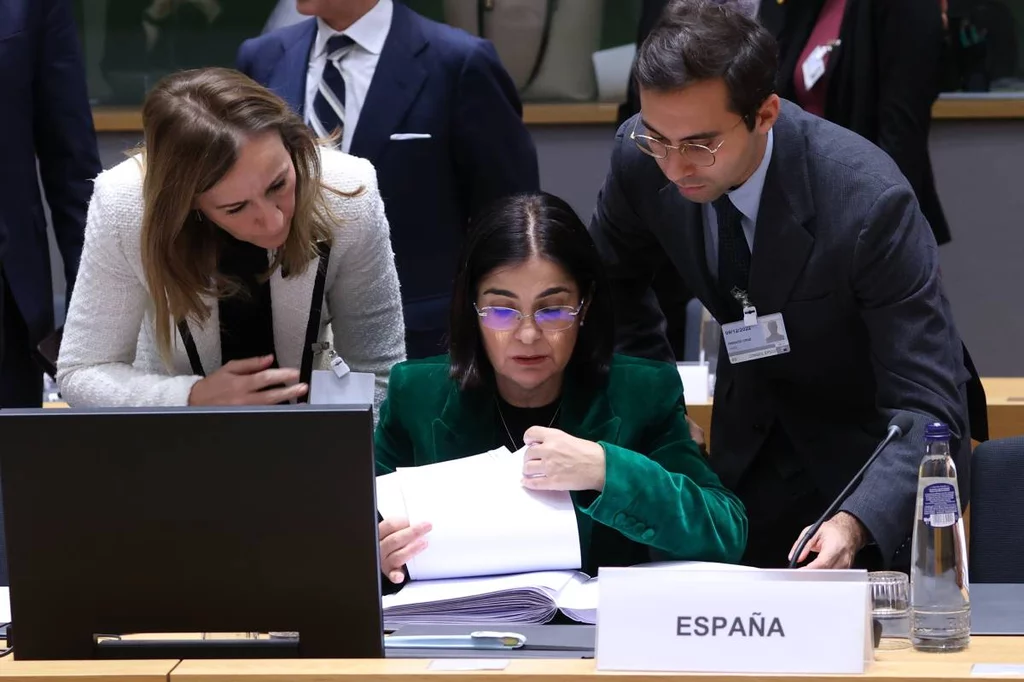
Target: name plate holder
(733, 621)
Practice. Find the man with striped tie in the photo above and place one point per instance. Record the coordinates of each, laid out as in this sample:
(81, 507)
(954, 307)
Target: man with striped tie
(430, 106)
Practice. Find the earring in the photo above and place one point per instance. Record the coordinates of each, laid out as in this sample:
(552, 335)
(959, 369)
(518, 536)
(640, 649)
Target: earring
(199, 216)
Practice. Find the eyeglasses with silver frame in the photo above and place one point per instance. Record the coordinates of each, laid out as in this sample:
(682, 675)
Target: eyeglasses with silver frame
(697, 154)
(553, 318)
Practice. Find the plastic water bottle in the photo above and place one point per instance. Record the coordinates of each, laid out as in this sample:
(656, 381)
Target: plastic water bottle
(940, 603)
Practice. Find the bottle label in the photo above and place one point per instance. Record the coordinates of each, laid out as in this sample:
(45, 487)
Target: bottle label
(938, 505)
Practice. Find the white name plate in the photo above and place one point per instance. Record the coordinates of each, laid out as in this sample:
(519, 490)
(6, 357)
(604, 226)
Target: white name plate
(715, 621)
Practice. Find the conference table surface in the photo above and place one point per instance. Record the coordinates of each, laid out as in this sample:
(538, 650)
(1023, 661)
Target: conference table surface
(902, 664)
(1003, 395)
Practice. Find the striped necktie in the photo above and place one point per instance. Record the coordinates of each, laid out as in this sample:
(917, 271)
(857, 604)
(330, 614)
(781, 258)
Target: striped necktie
(328, 113)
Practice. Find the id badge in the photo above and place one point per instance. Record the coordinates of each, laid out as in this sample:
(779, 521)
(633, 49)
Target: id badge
(813, 67)
(765, 338)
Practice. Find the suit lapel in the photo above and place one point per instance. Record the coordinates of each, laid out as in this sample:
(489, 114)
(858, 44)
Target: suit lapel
(683, 237)
(467, 424)
(289, 78)
(397, 81)
(290, 302)
(588, 414)
(782, 242)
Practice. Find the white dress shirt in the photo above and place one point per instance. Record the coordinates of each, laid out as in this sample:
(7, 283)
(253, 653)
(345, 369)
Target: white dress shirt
(747, 200)
(357, 66)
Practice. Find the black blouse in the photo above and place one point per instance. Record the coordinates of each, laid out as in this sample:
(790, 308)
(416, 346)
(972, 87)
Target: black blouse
(513, 421)
(246, 317)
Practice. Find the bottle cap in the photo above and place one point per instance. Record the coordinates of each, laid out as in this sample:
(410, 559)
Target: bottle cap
(936, 431)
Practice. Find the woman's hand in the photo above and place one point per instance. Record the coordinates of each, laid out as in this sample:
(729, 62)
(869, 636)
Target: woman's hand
(400, 542)
(554, 460)
(245, 382)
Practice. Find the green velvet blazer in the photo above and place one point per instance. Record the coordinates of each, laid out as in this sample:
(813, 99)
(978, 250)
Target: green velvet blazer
(660, 494)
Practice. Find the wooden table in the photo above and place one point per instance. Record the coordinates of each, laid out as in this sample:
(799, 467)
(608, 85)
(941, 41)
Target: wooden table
(905, 664)
(1004, 395)
(1005, 398)
(86, 671)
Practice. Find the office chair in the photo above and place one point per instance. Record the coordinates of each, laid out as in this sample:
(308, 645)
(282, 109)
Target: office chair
(997, 524)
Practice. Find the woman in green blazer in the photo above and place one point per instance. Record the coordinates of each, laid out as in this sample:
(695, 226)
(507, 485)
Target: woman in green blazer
(531, 363)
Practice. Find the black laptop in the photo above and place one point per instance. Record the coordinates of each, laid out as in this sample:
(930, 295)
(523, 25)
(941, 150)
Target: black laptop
(191, 520)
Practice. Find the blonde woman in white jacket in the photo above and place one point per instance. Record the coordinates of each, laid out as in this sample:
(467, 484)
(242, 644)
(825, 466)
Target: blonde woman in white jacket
(221, 260)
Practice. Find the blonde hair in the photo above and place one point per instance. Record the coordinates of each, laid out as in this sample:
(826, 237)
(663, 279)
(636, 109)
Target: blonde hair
(194, 124)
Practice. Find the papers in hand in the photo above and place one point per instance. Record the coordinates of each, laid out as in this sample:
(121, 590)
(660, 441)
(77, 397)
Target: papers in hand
(525, 598)
(484, 522)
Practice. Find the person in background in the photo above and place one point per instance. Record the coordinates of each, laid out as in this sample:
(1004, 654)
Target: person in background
(873, 67)
(531, 363)
(209, 256)
(47, 121)
(763, 206)
(430, 106)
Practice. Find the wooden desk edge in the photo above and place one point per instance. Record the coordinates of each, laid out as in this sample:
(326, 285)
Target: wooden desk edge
(129, 119)
(903, 664)
(12, 670)
(891, 665)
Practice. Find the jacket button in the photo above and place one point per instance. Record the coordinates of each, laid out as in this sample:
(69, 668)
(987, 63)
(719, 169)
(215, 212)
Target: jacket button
(647, 535)
(620, 518)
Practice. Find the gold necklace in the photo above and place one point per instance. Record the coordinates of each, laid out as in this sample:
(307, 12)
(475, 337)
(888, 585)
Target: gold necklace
(508, 432)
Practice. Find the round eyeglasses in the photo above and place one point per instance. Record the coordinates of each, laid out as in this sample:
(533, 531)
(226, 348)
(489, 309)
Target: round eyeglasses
(697, 154)
(550, 319)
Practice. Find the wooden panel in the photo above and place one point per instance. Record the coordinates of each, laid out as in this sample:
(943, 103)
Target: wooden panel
(1004, 396)
(570, 114)
(1005, 399)
(117, 119)
(129, 119)
(979, 108)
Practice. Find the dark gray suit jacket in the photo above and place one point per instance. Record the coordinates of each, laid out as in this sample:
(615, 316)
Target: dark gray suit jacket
(842, 250)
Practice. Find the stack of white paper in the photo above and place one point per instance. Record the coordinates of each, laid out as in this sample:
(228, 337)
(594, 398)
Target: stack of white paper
(484, 522)
(497, 552)
(522, 598)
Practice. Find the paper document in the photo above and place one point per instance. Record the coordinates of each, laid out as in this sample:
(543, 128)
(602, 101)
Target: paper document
(484, 522)
(524, 598)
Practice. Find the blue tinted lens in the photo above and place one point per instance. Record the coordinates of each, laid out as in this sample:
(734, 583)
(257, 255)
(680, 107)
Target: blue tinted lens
(557, 317)
(500, 318)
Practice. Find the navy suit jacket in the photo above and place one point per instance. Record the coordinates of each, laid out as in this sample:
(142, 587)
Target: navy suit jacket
(47, 116)
(431, 79)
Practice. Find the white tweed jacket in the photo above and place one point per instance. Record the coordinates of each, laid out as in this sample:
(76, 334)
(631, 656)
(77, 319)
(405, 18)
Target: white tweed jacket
(108, 356)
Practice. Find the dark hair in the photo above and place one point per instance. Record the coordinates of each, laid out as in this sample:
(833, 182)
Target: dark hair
(509, 232)
(701, 40)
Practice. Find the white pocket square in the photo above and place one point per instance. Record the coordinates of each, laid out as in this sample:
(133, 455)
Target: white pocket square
(410, 136)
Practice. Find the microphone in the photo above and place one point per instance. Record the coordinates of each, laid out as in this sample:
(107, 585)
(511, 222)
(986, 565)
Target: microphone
(900, 425)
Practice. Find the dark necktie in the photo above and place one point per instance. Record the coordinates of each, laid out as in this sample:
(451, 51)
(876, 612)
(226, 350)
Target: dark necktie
(328, 112)
(733, 255)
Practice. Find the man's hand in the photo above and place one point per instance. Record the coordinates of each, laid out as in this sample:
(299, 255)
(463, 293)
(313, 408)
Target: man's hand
(697, 434)
(836, 543)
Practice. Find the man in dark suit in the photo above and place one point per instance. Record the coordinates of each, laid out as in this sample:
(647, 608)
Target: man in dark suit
(48, 118)
(430, 106)
(768, 207)
(880, 80)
